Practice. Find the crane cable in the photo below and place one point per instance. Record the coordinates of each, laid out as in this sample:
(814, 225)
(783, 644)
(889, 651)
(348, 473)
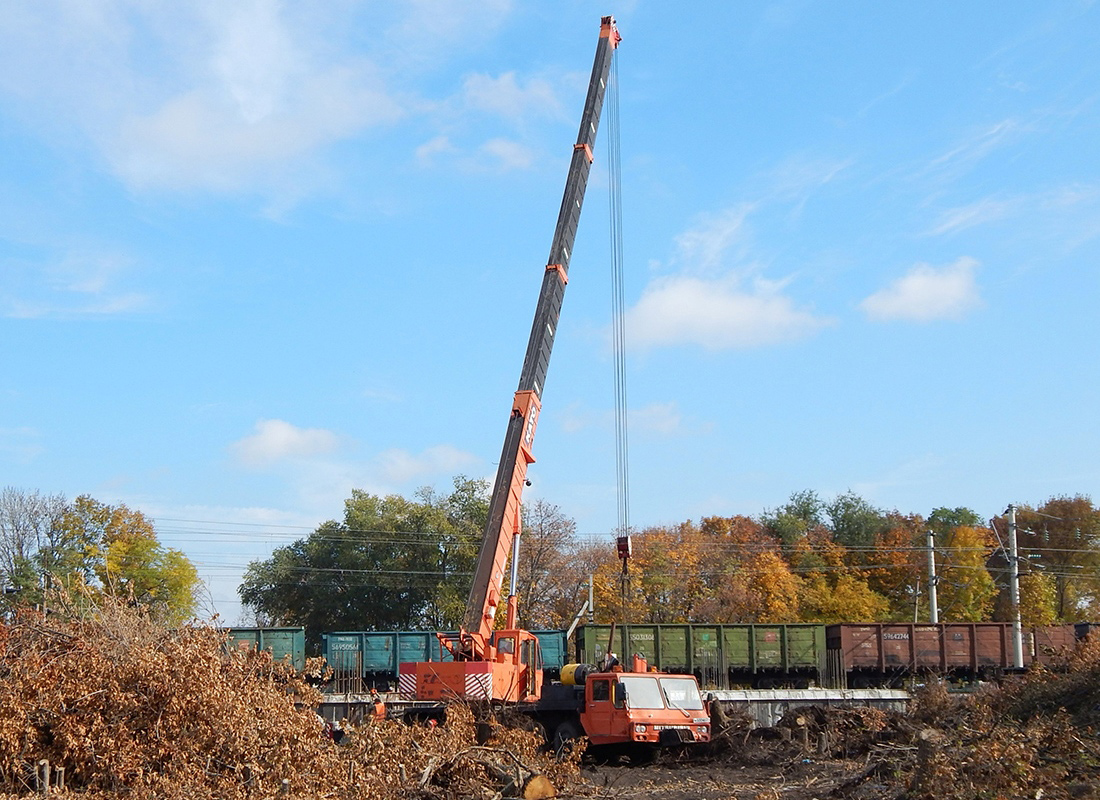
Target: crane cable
(618, 305)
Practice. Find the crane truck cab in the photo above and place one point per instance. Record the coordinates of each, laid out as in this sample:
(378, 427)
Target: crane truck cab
(632, 708)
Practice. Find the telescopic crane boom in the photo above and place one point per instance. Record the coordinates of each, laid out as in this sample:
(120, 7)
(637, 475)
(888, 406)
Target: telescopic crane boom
(506, 664)
(504, 509)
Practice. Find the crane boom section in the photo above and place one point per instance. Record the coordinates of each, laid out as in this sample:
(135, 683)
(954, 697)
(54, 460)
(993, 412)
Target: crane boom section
(504, 508)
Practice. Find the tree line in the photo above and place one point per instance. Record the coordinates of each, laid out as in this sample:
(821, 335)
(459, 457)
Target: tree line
(393, 563)
(51, 547)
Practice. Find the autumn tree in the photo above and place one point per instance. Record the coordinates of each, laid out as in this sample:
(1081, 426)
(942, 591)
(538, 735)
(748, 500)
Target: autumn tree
(966, 590)
(667, 572)
(548, 581)
(1062, 538)
(1038, 600)
(746, 578)
(120, 547)
(87, 545)
(832, 590)
(597, 558)
(896, 565)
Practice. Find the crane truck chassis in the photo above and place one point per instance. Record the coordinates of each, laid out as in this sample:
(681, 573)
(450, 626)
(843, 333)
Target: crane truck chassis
(504, 667)
(611, 707)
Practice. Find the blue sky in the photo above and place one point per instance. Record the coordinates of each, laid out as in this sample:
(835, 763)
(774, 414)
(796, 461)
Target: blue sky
(256, 254)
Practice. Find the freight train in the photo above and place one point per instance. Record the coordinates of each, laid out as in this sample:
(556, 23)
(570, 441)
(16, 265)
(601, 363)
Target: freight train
(721, 656)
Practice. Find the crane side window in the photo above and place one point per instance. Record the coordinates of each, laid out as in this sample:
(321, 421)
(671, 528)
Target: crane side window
(600, 691)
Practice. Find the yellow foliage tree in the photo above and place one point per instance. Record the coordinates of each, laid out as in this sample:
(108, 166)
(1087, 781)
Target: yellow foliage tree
(841, 598)
(966, 590)
(120, 550)
(1038, 600)
(667, 573)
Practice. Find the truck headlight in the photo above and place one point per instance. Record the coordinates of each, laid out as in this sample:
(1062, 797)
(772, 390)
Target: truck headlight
(639, 728)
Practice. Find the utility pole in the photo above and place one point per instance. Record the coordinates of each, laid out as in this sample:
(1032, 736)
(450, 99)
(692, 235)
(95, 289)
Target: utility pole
(1014, 591)
(933, 603)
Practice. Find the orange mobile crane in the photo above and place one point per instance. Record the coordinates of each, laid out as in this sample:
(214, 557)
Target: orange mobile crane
(505, 666)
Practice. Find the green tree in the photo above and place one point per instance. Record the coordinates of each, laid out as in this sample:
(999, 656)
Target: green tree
(790, 523)
(855, 523)
(392, 563)
(28, 526)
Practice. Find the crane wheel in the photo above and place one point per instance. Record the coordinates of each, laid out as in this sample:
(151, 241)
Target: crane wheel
(564, 734)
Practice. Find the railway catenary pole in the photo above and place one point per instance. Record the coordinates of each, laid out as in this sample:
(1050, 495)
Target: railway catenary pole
(933, 604)
(1014, 591)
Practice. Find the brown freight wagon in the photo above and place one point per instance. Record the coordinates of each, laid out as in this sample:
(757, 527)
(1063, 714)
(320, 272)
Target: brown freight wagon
(884, 654)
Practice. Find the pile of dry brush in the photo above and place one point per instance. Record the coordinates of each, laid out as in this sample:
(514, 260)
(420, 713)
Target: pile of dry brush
(120, 706)
(1033, 736)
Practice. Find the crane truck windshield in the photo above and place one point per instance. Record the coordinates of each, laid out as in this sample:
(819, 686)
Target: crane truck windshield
(661, 692)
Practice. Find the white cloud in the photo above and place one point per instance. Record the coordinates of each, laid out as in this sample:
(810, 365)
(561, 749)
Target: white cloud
(716, 315)
(507, 154)
(276, 440)
(210, 95)
(660, 418)
(717, 298)
(663, 418)
(927, 293)
(979, 145)
(241, 122)
(505, 96)
(400, 466)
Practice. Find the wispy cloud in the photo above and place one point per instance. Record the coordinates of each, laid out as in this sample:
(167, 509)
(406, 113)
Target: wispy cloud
(927, 293)
(21, 444)
(510, 97)
(507, 154)
(983, 211)
(436, 147)
(978, 145)
(714, 241)
(401, 466)
(664, 419)
(80, 284)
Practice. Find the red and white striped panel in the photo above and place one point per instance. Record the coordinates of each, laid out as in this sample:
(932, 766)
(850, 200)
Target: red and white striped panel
(479, 686)
(406, 685)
